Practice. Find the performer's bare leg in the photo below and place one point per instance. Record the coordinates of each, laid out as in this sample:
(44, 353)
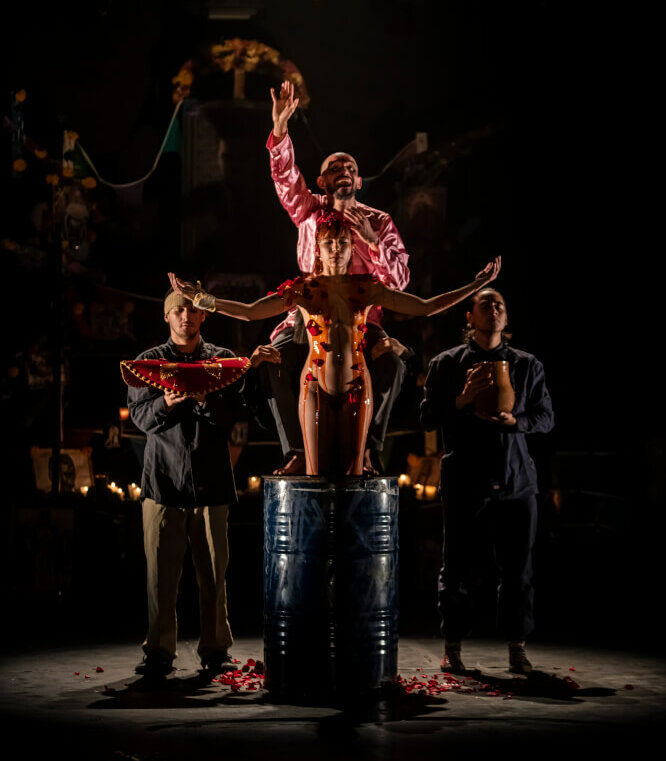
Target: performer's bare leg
(353, 421)
(308, 409)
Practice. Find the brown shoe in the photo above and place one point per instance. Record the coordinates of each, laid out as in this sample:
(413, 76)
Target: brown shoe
(518, 662)
(452, 661)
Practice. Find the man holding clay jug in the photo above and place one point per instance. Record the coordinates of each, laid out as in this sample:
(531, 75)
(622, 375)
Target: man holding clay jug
(486, 396)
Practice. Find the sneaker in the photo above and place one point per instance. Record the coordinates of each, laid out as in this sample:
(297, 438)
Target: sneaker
(518, 661)
(452, 660)
(155, 664)
(218, 662)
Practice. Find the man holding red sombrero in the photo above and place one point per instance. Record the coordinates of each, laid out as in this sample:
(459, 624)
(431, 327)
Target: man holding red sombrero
(185, 396)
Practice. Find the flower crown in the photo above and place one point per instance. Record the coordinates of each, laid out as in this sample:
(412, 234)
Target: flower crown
(331, 218)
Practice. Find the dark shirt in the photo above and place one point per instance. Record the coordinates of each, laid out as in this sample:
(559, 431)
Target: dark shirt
(186, 461)
(480, 456)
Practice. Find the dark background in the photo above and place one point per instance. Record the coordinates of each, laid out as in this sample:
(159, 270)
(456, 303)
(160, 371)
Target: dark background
(534, 131)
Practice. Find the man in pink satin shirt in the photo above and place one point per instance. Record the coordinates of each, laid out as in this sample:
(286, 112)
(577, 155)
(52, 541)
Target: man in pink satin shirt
(378, 249)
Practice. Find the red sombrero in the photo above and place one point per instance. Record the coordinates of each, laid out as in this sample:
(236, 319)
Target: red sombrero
(184, 378)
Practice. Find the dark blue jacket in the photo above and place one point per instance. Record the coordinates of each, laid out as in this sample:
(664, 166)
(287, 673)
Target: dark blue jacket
(482, 457)
(186, 461)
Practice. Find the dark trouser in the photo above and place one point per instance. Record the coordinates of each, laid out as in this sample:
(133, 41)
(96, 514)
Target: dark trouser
(504, 527)
(281, 386)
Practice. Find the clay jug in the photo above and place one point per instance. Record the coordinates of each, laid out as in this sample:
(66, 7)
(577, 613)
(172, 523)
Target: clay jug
(499, 397)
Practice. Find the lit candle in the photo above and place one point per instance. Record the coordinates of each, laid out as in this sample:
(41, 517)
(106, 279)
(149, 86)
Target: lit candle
(431, 492)
(404, 480)
(84, 490)
(253, 483)
(419, 488)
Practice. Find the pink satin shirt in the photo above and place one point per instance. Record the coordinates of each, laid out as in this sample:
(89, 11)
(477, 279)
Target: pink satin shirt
(388, 264)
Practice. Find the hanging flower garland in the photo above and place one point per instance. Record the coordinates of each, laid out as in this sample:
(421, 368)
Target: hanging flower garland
(23, 145)
(239, 56)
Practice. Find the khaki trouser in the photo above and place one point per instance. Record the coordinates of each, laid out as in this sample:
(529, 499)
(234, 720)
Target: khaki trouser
(166, 531)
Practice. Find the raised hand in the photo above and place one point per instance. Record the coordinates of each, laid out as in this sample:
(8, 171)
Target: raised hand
(283, 108)
(490, 271)
(183, 287)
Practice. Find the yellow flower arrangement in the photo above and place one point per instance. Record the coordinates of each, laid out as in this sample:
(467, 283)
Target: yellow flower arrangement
(240, 56)
(243, 54)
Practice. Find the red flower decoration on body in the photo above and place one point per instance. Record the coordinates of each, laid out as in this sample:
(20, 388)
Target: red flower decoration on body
(362, 327)
(361, 345)
(309, 377)
(312, 328)
(283, 286)
(325, 346)
(318, 362)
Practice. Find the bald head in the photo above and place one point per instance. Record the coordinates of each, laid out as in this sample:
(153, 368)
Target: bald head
(339, 156)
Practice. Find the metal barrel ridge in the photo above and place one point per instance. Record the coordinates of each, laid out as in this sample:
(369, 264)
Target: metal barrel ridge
(330, 583)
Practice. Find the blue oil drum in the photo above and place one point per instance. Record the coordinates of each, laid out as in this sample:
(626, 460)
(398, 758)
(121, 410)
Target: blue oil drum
(330, 583)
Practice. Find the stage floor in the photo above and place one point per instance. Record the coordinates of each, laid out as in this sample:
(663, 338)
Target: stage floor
(55, 701)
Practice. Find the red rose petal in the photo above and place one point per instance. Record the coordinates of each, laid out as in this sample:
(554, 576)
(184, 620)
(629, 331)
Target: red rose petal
(99, 670)
(628, 686)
